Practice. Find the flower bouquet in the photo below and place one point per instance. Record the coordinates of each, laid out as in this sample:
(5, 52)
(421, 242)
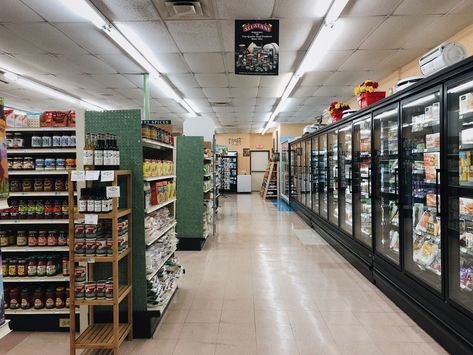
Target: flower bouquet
(366, 93)
(336, 110)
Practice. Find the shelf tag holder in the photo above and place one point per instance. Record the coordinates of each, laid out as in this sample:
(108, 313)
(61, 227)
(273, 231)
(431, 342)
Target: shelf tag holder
(91, 219)
(78, 175)
(107, 175)
(92, 175)
(113, 191)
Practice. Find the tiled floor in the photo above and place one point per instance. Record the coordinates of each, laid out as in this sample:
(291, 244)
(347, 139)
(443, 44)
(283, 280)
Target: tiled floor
(256, 289)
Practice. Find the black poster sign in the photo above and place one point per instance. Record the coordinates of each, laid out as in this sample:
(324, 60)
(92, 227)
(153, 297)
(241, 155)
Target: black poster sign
(256, 47)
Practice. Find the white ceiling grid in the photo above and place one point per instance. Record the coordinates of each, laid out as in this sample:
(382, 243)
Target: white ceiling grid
(43, 40)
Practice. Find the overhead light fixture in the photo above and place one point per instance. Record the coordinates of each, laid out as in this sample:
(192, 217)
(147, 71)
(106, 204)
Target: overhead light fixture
(131, 43)
(421, 101)
(46, 90)
(460, 88)
(326, 36)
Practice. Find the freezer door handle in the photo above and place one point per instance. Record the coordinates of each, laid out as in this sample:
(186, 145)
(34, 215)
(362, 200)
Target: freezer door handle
(396, 172)
(351, 179)
(437, 204)
(369, 182)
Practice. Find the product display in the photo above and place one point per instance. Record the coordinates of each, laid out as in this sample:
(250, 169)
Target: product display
(229, 172)
(159, 252)
(160, 288)
(156, 132)
(158, 223)
(36, 298)
(157, 193)
(101, 152)
(157, 168)
(94, 200)
(35, 265)
(36, 209)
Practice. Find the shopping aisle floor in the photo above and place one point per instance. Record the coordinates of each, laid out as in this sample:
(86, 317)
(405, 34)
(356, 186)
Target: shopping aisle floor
(257, 289)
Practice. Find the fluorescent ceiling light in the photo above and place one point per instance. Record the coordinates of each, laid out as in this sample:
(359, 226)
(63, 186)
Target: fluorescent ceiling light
(335, 10)
(165, 88)
(386, 114)
(461, 87)
(85, 10)
(421, 101)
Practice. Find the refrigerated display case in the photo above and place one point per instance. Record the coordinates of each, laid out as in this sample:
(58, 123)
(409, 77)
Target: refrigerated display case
(285, 172)
(386, 200)
(362, 180)
(421, 166)
(460, 186)
(229, 172)
(346, 170)
(406, 165)
(307, 174)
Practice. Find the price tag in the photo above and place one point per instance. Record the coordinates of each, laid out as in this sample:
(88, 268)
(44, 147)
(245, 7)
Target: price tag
(91, 219)
(107, 175)
(91, 175)
(78, 175)
(91, 260)
(113, 191)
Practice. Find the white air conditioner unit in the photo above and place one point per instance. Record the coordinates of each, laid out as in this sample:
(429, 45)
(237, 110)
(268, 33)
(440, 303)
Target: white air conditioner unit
(441, 57)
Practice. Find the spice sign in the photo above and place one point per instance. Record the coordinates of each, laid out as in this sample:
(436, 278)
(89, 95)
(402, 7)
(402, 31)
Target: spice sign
(256, 47)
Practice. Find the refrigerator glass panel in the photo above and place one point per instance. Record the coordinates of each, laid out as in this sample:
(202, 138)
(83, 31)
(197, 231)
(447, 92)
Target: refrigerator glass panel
(386, 134)
(460, 192)
(323, 169)
(333, 177)
(297, 183)
(302, 177)
(362, 180)
(421, 163)
(315, 175)
(308, 186)
(285, 169)
(346, 171)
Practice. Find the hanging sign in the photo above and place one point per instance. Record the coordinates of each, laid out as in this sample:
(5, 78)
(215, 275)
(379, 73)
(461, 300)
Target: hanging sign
(256, 47)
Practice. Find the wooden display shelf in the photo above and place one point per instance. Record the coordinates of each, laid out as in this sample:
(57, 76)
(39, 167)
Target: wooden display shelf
(123, 292)
(120, 213)
(15, 249)
(100, 335)
(101, 259)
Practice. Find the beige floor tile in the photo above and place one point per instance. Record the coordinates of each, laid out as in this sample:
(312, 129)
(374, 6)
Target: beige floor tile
(194, 348)
(169, 331)
(281, 347)
(248, 348)
(204, 315)
(340, 318)
(350, 333)
(236, 333)
(238, 315)
(199, 332)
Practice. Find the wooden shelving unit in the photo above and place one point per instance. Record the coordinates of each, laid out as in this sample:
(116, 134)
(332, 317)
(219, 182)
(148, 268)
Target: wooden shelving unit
(270, 186)
(103, 335)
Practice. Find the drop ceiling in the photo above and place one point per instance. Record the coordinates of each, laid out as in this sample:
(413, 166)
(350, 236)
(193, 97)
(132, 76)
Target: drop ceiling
(44, 41)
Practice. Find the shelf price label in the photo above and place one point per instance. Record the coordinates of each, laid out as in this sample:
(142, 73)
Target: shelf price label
(113, 191)
(91, 219)
(78, 175)
(107, 175)
(92, 175)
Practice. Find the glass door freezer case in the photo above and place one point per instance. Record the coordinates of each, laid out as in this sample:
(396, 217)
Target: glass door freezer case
(409, 176)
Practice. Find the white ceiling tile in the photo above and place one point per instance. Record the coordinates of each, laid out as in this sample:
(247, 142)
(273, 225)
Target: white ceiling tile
(301, 8)
(13, 44)
(334, 90)
(227, 29)
(113, 81)
(304, 91)
(244, 92)
(315, 78)
(294, 34)
(351, 77)
(193, 93)
(136, 79)
(205, 62)
(183, 80)
(217, 92)
(47, 37)
(289, 60)
(173, 63)
(244, 9)
(195, 36)
(121, 63)
(49, 64)
(425, 7)
(265, 101)
(212, 80)
(244, 81)
(133, 93)
(355, 30)
(332, 60)
(88, 64)
(408, 30)
(260, 109)
(366, 59)
(18, 12)
(251, 101)
(126, 10)
(268, 92)
(395, 61)
(89, 37)
(82, 81)
(370, 7)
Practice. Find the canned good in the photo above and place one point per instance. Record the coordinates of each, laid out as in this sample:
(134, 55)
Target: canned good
(79, 231)
(65, 141)
(80, 290)
(109, 289)
(90, 247)
(91, 290)
(79, 246)
(101, 246)
(60, 164)
(109, 246)
(49, 164)
(47, 141)
(36, 142)
(79, 274)
(101, 289)
(56, 141)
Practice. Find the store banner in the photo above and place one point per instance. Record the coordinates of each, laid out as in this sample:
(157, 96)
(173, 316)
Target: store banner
(3, 159)
(257, 47)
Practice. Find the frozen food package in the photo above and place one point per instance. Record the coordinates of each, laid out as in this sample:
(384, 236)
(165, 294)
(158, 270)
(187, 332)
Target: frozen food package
(464, 166)
(466, 136)
(432, 140)
(431, 164)
(466, 206)
(466, 103)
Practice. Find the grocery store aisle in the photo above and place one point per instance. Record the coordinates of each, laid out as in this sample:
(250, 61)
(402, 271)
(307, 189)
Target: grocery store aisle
(257, 289)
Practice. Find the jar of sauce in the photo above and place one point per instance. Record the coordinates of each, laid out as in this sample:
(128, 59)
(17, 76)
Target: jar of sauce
(27, 185)
(21, 239)
(15, 185)
(38, 298)
(51, 266)
(38, 185)
(14, 298)
(22, 268)
(39, 209)
(25, 298)
(61, 238)
(67, 302)
(52, 239)
(4, 241)
(57, 210)
(32, 267)
(65, 266)
(60, 297)
(50, 298)
(59, 184)
(48, 209)
(32, 238)
(48, 184)
(42, 239)
(13, 268)
(41, 267)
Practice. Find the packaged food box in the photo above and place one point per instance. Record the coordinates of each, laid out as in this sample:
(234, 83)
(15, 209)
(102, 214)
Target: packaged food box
(432, 140)
(466, 136)
(466, 103)
(466, 206)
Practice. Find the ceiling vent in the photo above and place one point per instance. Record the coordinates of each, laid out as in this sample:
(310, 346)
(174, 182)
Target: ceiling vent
(182, 9)
(220, 103)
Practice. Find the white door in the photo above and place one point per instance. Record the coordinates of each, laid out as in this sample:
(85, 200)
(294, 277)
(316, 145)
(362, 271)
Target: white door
(259, 163)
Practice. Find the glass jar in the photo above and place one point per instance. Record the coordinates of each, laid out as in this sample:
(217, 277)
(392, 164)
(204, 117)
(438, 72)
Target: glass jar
(39, 164)
(50, 301)
(32, 267)
(38, 298)
(4, 241)
(22, 268)
(48, 209)
(32, 238)
(60, 164)
(36, 141)
(51, 267)
(57, 210)
(65, 266)
(27, 185)
(31, 209)
(13, 268)
(14, 298)
(67, 302)
(41, 267)
(38, 185)
(42, 238)
(52, 239)
(62, 239)
(17, 164)
(22, 210)
(59, 184)
(60, 297)
(27, 163)
(21, 239)
(25, 298)
(48, 184)
(47, 141)
(39, 209)
(15, 185)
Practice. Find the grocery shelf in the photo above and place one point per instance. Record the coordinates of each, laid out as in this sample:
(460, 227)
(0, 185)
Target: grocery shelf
(100, 335)
(162, 307)
(42, 151)
(157, 207)
(15, 249)
(149, 143)
(34, 221)
(120, 213)
(161, 233)
(37, 172)
(41, 129)
(39, 193)
(123, 292)
(39, 311)
(157, 178)
(155, 271)
(57, 278)
(5, 329)
(100, 259)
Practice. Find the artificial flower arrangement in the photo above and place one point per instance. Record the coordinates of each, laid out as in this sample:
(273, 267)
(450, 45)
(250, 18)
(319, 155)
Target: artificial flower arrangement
(366, 93)
(336, 110)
